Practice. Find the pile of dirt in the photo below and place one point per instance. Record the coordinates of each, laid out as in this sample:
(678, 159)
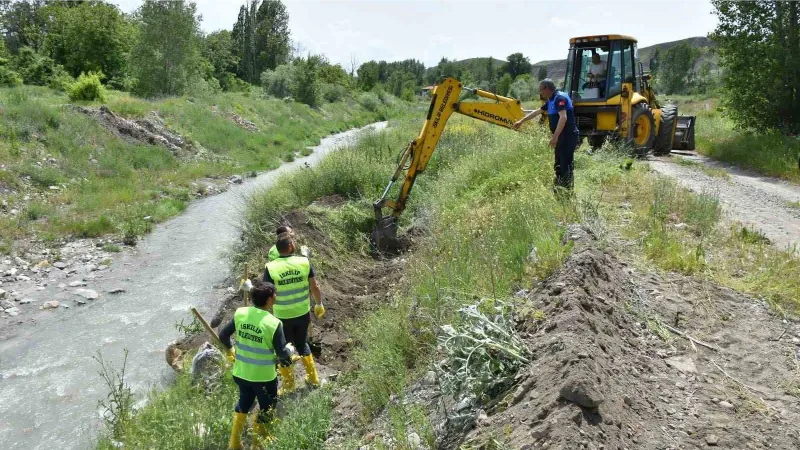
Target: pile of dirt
(150, 130)
(607, 373)
(602, 378)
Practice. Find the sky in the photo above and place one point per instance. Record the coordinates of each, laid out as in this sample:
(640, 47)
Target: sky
(428, 30)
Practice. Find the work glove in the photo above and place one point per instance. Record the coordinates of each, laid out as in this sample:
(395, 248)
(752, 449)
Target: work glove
(305, 251)
(319, 310)
(293, 356)
(230, 355)
(246, 285)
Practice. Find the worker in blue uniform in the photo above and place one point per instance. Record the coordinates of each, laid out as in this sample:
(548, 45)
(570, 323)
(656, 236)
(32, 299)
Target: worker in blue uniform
(561, 116)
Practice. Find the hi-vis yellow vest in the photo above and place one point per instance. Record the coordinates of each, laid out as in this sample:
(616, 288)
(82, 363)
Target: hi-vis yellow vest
(273, 254)
(290, 275)
(255, 356)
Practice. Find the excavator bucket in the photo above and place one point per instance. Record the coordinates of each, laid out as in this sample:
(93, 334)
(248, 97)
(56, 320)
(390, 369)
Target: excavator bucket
(684, 133)
(384, 235)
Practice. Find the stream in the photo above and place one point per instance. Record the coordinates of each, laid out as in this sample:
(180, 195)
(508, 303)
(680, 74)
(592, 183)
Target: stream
(49, 381)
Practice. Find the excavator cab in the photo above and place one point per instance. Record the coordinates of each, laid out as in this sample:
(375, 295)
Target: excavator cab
(613, 98)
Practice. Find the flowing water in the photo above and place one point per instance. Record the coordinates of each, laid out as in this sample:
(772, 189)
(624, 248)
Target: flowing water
(49, 382)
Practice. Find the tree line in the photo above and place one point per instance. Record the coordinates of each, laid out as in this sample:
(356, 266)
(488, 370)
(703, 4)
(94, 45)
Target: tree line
(157, 50)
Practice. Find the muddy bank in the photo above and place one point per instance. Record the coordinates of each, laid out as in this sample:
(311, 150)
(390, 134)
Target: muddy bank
(607, 373)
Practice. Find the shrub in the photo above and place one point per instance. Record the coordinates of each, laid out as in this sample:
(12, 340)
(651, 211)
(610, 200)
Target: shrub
(332, 92)
(33, 67)
(60, 80)
(7, 76)
(87, 87)
(306, 86)
(369, 101)
(278, 83)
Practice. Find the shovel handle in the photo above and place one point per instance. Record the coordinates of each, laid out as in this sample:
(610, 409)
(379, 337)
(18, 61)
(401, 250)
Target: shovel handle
(209, 330)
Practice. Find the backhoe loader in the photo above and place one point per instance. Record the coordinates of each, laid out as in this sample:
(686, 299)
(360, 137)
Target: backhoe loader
(618, 104)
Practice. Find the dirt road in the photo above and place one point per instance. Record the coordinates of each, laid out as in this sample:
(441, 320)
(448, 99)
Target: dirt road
(769, 205)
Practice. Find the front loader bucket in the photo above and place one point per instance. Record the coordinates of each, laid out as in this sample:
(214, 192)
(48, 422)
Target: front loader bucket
(684, 133)
(384, 235)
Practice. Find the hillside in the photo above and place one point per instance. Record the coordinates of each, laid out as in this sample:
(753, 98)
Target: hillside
(557, 68)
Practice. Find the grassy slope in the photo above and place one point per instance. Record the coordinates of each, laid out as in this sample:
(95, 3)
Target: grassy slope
(770, 154)
(484, 202)
(130, 181)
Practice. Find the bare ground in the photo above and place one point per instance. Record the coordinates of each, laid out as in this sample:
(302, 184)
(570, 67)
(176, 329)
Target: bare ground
(769, 205)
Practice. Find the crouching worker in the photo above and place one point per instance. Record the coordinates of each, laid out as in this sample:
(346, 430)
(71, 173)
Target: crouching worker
(295, 283)
(260, 346)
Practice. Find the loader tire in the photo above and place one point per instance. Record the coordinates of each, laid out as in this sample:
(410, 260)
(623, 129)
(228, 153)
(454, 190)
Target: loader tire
(669, 121)
(644, 127)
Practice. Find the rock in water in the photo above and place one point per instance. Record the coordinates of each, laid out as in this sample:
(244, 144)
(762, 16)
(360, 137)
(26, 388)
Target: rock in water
(88, 294)
(53, 304)
(583, 392)
(207, 366)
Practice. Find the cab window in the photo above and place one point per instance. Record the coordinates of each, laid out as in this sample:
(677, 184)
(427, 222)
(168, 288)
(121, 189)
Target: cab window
(591, 72)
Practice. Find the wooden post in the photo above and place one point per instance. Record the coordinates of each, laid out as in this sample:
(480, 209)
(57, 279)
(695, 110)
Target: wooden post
(210, 330)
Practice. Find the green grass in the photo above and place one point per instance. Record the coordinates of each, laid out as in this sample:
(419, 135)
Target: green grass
(680, 231)
(186, 417)
(106, 183)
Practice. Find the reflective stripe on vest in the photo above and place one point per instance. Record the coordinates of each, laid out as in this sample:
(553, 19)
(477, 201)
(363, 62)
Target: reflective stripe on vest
(255, 356)
(290, 275)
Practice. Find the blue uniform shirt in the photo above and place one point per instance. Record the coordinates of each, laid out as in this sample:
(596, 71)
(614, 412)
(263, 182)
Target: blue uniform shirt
(560, 101)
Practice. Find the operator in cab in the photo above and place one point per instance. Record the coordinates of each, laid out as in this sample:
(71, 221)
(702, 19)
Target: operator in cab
(558, 107)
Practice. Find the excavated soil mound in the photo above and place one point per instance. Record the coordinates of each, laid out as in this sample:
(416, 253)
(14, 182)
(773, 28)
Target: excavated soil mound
(602, 379)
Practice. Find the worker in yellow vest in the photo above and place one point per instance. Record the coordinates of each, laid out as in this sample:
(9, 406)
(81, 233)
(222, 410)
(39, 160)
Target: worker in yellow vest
(260, 347)
(273, 252)
(295, 283)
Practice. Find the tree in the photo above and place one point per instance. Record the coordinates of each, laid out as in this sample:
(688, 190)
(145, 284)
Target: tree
(306, 87)
(504, 84)
(542, 73)
(23, 25)
(89, 36)
(516, 64)
(759, 50)
(676, 69)
(491, 74)
(218, 51)
(523, 88)
(654, 62)
(166, 58)
(368, 75)
(272, 43)
(261, 38)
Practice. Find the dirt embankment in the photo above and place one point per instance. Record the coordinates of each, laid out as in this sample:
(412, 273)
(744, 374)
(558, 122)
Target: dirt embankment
(608, 374)
(350, 289)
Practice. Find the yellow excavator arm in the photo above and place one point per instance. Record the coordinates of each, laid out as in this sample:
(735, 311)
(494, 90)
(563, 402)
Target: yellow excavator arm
(445, 100)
